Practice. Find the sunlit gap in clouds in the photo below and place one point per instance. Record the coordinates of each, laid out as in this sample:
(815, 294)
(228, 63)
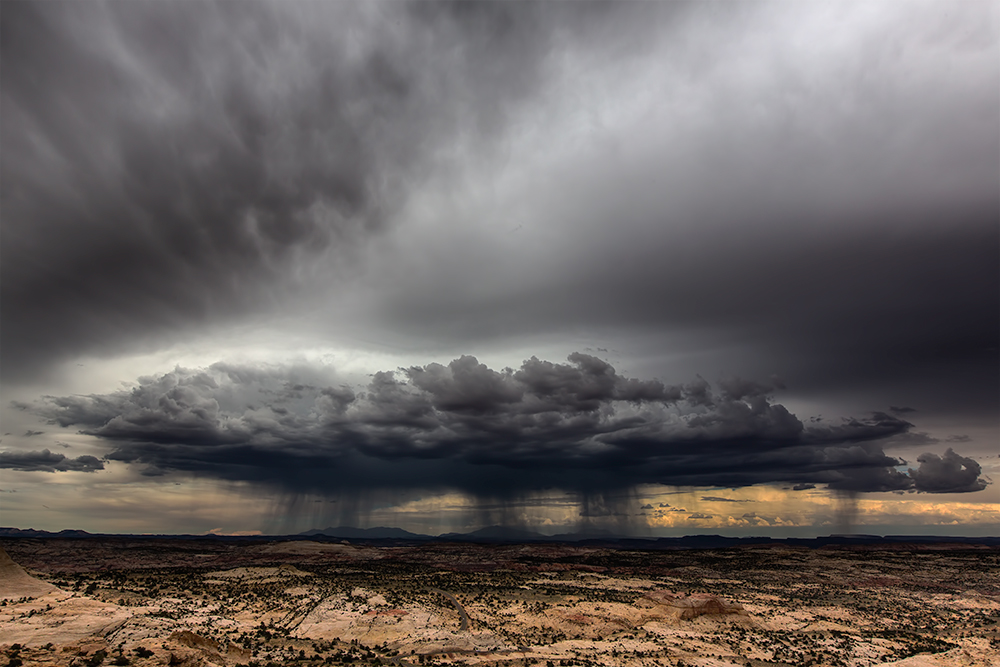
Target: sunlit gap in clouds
(550, 511)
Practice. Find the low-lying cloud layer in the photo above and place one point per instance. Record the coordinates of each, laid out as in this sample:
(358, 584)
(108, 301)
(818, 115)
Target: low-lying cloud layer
(577, 426)
(46, 461)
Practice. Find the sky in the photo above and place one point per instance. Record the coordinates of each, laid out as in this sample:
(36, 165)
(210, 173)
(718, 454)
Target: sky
(653, 268)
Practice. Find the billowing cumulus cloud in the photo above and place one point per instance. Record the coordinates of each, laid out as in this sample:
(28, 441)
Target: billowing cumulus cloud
(578, 426)
(950, 473)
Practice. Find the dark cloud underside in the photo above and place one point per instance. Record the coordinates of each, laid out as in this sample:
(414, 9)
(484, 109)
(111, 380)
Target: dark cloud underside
(830, 210)
(579, 426)
(46, 461)
(169, 165)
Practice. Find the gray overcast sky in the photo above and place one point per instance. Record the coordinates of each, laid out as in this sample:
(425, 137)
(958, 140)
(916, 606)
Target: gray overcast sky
(309, 238)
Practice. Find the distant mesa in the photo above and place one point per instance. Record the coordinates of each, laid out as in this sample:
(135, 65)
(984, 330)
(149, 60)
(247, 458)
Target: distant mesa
(518, 535)
(487, 534)
(31, 532)
(496, 533)
(683, 607)
(379, 533)
(588, 535)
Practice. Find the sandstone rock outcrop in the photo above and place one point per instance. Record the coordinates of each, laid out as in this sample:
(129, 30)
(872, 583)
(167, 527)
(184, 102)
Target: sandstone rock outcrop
(16, 583)
(204, 650)
(682, 607)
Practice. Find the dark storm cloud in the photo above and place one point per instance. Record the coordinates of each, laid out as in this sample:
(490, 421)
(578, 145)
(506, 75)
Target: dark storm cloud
(46, 461)
(950, 473)
(801, 189)
(166, 165)
(827, 213)
(579, 426)
(905, 303)
(831, 215)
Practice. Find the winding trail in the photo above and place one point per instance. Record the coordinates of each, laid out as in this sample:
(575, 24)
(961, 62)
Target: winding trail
(464, 624)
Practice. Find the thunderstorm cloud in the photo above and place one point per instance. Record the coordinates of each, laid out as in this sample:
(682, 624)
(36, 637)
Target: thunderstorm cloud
(577, 425)
(790, 209)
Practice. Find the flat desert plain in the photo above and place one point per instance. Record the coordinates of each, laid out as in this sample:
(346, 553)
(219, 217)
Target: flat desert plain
(148, 601)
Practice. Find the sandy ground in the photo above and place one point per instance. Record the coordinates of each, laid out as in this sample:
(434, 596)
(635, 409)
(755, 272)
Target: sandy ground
(286, 612)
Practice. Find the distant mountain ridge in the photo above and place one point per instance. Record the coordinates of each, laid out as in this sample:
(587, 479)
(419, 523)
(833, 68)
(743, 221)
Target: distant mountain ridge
(496, 533)
(31, 532)
(378, 533)
(487, 534)
(509, 535)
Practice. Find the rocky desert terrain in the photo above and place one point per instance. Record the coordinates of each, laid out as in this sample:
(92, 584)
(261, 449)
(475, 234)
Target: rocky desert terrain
(149, 601)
